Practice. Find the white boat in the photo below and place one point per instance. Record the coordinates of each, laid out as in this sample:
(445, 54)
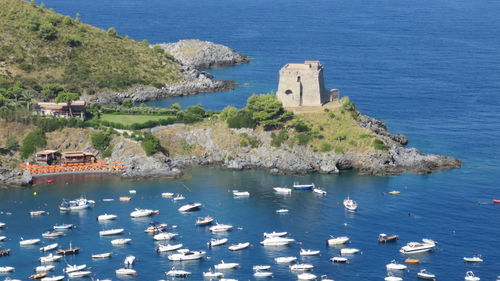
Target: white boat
(477, 258)
(29, 242)
(275, 234)
(393, 278)
(228, 279)
(204, 221)
(168, 248)
(261, 267)
(284, 190)
(49, 247)
(53, 278)
(50, 258)
(132, 191)
(325, 278)
(469, 276)
(190, 207)
(301, 267)
(44, 268)
(106, 217)
(219, 227)
(339, 260)
(63, 226)
(37, 213)
(2, 224)
(185, 255)
(73, 268)
(350, 204)
(177, 273)
(108, 200)
(229, 265)
(276, 241)
(337, 240)
(52, 234)
(125, 271)
(285, 259)
(309, 252)
(306, 276)
(237, 193)
(5, 269)
(179, 197)
(239, 246)
(395, 266)
(121, 241)
(261, 274)
(213, 274)
(129, 261)
(282, 211)
(298, 186)
(2, 238)
(319, 191)
(111, 231)
(77, 204)
(424, 274)
(164, 236)
(167, 194)
(217, 242)
(418, 247)
(155, 228)
(348, 251)
(102, 256)
(138, 213)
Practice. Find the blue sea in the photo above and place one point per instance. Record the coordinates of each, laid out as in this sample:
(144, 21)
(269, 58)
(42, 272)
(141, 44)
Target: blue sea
(429, 69)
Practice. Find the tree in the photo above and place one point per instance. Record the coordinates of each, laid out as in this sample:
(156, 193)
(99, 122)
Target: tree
(51, 90)
(112, 32)
(35, 139)
(150, 144)
(128, 103)
(228, 112)
(47, 31)
(27, 98)
(267, 110)
(11, 143)
(67, 98)
(100, 140)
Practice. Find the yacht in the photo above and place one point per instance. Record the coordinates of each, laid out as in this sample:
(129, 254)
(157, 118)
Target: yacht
(275, 234)
(53, 278)
(319, 191)
(156, 227)
(339, 259)
(111, 231)
(106, 217)
(2, 224)
(78, 274)
(185, 255)
(309, 252)
(190, 207)
(333, 241)
(121, 241)
(391, 277)
(179, 197)
(77, 204)
(5, 269)
(217, 242)
(37, 213)
(261, 267)
(229, 265)
(301, 267)
(395, 266)
(276, 241)
(477, 258)
(177, 273)
(73, 268)
(2, 238)
(164, 236)
(384, 238)
(219, 227)
(350, 204)
(167, 195)
(418, 247)
(168, 248)
(139, 213)
(49, 247)
(282, 211)
(239, 246)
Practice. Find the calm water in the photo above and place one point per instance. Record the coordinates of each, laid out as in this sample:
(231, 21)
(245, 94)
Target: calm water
(430, 69)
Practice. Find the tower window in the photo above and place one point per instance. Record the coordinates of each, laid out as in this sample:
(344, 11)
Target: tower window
(288, 92)
(298, 78)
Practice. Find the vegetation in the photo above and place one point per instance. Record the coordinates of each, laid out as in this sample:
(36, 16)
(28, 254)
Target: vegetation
(380, 145)
(100, 140)
(35, 139)
(127, 119)
(246, 140)
(150, 144)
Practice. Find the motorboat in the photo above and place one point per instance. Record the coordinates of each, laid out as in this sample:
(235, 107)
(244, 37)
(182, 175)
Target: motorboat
(78, 274)
(325, 278)
(418, 247)
(285, 259)
(177, 273)
(156, 227)
(63, 226)
(167, 194)
(125, 198)
(204, 221)
(239, 246)
(164, 236)
(350, 204)
(179, 197)
(309, 252)
(37, 213)
(384, 238)
(168, 248)
(50, 258)
(219, 227)
(125, 271)
(261, 267)
(319, 191)
(44, 268)
(217, 242)
(121, 241)
(52, 234)
(53, 278)
(70, 251)
(282, 211)
(185, 255)
(298, 186)
(49, 247)
(301, 267)
(228, 279)
(5, 269)
(2, 224)
(73, 268)
(424, 274)
(28, 242)
(102, 256)
(190, 207)
(412, 261)
(224, 265)
(213, 274)
(38, 275)
(237, 193)
(348, 251)
(111, 231)
(2, 238)
(339, 259)
(284, 190)
(132, 191)
(4, 252)
(392, 278)
(138, 213)
(106, 217)
(395, 266)
(476, 258)
(276, 241)
(340, 240)
(469, 276)
(108, 200)
(306, 276)
(77, 204)
(129, 261)
(394, 192)
(261, 274)
(275, 234)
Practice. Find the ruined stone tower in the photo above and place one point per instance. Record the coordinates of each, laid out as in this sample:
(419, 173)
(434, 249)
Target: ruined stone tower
(302, 85)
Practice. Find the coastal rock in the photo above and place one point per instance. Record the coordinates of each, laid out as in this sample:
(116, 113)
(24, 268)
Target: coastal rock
(14, 178)
(379, 128)
(203, 54)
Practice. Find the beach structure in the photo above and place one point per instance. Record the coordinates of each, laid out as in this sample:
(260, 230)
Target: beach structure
(47, 157)
(50, 157)
(301, 84)
(53, 109)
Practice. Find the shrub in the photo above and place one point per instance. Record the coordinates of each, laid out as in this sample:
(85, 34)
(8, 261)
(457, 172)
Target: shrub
(100, 140)
(47, 31)
(325, 147)
(150, 144)
(228, 112)
(112, 32)
(72, 41)
(246, 140)
(35, 139)
(339, 150)
(11, 143)
(280, 138)
(51, 90)
(243, 119)
(340, 136)
(300, 126)
(380, 145)
(107, 152)
(128, 103)
(302, 138)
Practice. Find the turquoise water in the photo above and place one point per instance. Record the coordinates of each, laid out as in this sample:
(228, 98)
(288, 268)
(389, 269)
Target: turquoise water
(429, 69)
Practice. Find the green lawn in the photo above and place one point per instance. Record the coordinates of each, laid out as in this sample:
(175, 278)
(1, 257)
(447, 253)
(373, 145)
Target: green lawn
(130, 119)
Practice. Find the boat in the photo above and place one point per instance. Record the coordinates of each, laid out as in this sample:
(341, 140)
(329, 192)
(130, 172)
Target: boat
(319, 191)
(77, 204)
(167, 194)
(383, 238)
(477, 258)
(138, 213)
(349, 251)
(204, 221)
(469, 276)
(125, 198)
(350, 204)
(418, 247)
(190, 207)
(339, 259)
(37, 213)
(298, 186)
(394, 192)
(412, 261)
(306, 276)
(276, 241)
(125, 271)
(5, 269)
(38, 275)
(168, 248)
(217, 242)
(132, 191)
(78, 274)
(62, 226)
(121, 241)
(239, 246)
(106, 217)
(102, 256)
(219, 227)
(53, 278)
(261, 274)
(333, 241)
(395, 266)
(284, 190)
(49, 247)
(156, 227)
(285, 259)
(393, 278)
(275, 234)
(70, 251)
(496, 200)
(129, 261)
(108, 200)
(164, 236)
(309, 252)
(237, 193)
(282, 211)
(2, 238)
(44, 268)
(229, 265)
(261, 267)
(52, 234)
(29, 242)
(50, 258)
(212, 274)
(111, 231)
(185, 255)
(4, 252)
(2, 224)
(177, 273)
(301, 267)
(424, 274)
(73, 268)
(179, 197)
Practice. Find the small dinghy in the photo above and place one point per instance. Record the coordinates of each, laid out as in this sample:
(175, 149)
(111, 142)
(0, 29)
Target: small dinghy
(37, 213)
(50, 258)
(395, 266)
(53, 278)
(179, 197)
(168, 248)
(283, 190)
(63, 226)
(333, 241)
(275, 234)
(121, 241)
(73, 268)
(139, 213)
(29, 242)
(282, 211)
(350, 204)
(186, 255)
(125, 198)
(229, 265)
(38, 275)
(384, 238)
(301, 267)
(239, 246)
(349, 251)
(469, 276)
(44, 268)
(78, 274)
(219, 227)
(6, 269)
(412, 261)
(476, 258)
(319, 191)
(125, 271)
(102, 256)
(106, 217)
(306, 276)
(129, 261)
(156, 227)
(2, 238)
(52, 234)
(394, 192)
(309, 252)
(4, 252)
(132, 191)
(339, 260)
(111, 231)
(164, 236)
(424, 274)
(190, 207)
(213, 274)
(393, 278)
(262, 274)
(217, 242)
(2, 224)
(167, 195)
(49, 247)
(261, 267)
(285, 259)
(177, 273)
(108, 200)
(237, 193)
(204, 221)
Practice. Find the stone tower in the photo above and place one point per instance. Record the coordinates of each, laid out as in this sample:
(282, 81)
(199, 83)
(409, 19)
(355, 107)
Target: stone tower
(302, 85)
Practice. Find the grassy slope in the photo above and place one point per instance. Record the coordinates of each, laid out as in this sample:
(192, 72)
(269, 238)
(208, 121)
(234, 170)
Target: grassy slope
(130, 119)
(80, 56)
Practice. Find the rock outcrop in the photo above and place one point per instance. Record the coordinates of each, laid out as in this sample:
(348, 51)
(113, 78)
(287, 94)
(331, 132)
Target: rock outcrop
(10, 177)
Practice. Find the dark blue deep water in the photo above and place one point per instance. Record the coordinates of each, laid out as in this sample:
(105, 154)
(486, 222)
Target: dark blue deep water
(429, 69)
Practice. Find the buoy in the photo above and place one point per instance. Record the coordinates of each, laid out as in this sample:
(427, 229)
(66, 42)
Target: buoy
(34, 193)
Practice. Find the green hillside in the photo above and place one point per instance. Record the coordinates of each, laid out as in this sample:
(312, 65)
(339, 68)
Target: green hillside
(39, 46)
